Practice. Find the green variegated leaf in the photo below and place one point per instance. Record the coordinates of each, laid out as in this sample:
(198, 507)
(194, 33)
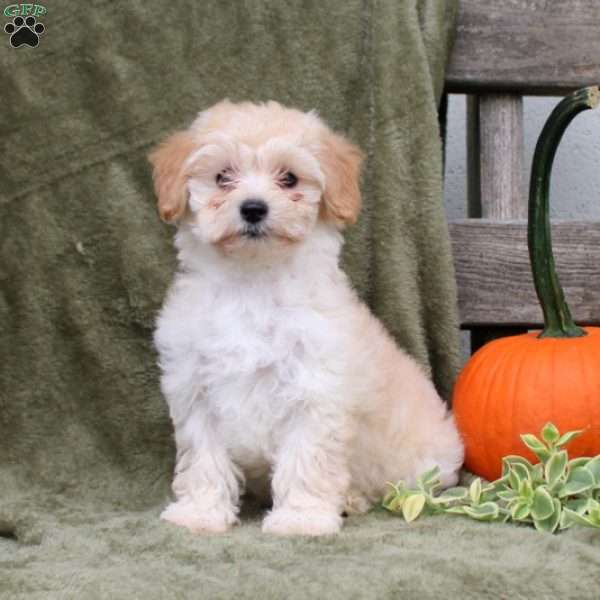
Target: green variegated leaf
(430, 480)
(550, 524)
(579, 480)
(572, 489)
(512, 459)
(455, 510)
(489, 496)
(578, 462)
(475, 490)
(516, 500)
(397, 487)
(517, 474)
(542, 453)
(537, 473)
(522, 471)
(451, 495)
(565, 522)
(456, 492)
(491, 490)
(580, 474)
(593, 466)
(507, 495)
(483, 512)
(395, 504)
(430, 475)
(533, 443)
(550, 434)
(592, 503)
(499, 484)
(525, 490)
(490, 487)
(513, 479)
(413, 506)
(542, 506)
(594, 516)
(389, 497)
(556, 467)
(520, 511)
(393, 499)
(433, 487)
(579, 505)
(429, 488)
(568, 437)
(577, 519)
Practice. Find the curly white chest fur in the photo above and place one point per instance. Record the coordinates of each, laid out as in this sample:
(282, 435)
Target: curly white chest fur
(251, 351)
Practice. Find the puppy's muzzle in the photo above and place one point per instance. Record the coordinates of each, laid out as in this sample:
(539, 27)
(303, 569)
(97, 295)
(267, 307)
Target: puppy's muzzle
(254, 211)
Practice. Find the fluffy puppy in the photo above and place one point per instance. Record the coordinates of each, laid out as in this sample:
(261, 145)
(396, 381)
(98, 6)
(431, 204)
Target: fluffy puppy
(278, 379)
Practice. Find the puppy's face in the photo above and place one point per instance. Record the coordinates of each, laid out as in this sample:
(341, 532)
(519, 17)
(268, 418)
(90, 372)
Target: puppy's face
(252, 178)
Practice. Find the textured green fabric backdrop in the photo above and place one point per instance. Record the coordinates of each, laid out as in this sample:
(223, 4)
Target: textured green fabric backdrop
(85, 259)
(86, 448)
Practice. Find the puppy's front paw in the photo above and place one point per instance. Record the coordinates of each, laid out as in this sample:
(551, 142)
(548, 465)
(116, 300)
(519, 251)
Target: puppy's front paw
(285, 521)
(185, 514)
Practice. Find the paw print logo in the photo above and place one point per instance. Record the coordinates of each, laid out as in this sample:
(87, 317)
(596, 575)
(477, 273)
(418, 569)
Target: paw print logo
(24, 31)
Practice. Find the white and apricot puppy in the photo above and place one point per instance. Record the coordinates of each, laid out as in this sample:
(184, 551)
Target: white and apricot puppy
(278, 379)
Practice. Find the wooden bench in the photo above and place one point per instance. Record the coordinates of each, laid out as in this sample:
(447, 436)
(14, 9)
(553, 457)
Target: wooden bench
(503, 51)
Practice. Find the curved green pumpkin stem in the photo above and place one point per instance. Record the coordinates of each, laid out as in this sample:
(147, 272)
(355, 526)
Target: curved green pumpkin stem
(558, 322)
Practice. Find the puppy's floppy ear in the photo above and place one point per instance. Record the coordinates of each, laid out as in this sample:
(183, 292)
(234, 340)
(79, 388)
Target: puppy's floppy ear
(340, 162)
(170, 178)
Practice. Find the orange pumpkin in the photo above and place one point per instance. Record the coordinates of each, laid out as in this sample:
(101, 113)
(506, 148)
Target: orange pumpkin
(515, 385)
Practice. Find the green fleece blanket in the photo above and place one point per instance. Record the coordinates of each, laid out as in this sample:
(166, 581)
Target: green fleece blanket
(86, 451)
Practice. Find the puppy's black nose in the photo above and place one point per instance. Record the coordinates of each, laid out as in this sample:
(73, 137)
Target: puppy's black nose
(254, 211)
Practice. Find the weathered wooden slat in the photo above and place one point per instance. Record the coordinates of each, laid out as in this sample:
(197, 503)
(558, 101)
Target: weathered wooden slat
(525, 46)
(498, 157)
(494, 278)
(495, 172)
(502, 155)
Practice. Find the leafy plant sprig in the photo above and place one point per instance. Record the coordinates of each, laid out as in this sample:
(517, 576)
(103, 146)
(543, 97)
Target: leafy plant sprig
(552, 495)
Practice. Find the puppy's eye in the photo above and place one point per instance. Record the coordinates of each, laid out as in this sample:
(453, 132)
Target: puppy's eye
(288, 180)
(224, 178)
